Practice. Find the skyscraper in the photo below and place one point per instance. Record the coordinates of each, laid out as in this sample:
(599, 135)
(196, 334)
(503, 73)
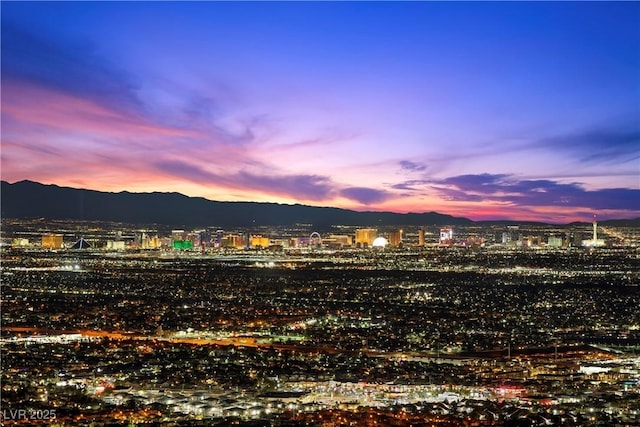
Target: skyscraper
(52, 241)
(421, 236)
(395, 238)
(446, 236)
(365, 237)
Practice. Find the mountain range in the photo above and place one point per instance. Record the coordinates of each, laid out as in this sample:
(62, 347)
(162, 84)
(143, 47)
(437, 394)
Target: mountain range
(28, 199)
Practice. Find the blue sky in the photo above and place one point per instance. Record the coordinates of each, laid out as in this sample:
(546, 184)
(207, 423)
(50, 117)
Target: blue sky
(485, 110)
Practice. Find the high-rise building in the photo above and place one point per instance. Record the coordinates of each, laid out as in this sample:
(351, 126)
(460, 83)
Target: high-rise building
(365, 237)
(195, 238)
(576, 238)
(218, 238)
(232, 241)
(259, 241)
(421, 236)
(446, 236)
(200, 238)
(511, 236)
(52, 241)
(554, 241)
(395, 238)
(150, 242)
(177, 234)
(182, 244)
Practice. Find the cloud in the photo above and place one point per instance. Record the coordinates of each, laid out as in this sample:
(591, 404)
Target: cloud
(36, 105)
(38, 149)
(304, 187)
(326, 139)
(213, 116)
(412, 166)
(81, 86)
(188, 171)
(73, 68)
(309, 187)
(606, 144)
(297, 186)
(507, 188)
(483, 183)
(410, 185)
(365, 195)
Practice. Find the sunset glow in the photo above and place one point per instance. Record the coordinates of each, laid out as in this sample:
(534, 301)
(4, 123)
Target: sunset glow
(507, 110)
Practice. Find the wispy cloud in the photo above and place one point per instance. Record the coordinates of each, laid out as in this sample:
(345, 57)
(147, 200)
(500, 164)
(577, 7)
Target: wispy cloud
(301, 187)
(72, 85)
(612, 144)
(310, 187)
(73, 68)
(364, 195)
(35, 105)
(411, 184)
(410, 166)
(507, 188)
(297, 186)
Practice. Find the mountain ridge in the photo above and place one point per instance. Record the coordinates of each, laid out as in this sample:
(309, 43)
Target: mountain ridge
(18, 200)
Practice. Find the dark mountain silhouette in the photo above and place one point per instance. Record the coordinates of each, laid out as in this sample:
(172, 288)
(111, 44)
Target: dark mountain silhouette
(27, 199)
(613, 223)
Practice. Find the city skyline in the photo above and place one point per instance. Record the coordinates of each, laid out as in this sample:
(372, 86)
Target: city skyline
(524, 111)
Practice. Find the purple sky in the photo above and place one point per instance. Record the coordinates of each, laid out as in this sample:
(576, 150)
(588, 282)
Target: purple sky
(494, 110)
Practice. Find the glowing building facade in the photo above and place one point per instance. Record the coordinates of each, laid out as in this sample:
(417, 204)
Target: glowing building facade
(365, 237)
(395, 238)
(182, 244)
(446, 236)
(259, 241)
(232, 241)
(52, 241)
(554, 241)
(115, 245)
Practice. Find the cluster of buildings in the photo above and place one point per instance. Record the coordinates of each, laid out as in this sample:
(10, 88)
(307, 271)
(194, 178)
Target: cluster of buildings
(513, 236)
(119, 237)
(204, 239)
(361, 238)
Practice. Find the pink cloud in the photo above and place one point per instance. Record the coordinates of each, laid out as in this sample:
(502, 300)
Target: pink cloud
(38, 106)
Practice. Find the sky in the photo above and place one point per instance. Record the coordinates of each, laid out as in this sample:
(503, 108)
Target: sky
(496, 110)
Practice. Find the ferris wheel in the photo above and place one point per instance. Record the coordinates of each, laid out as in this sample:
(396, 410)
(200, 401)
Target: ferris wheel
(315, 240)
